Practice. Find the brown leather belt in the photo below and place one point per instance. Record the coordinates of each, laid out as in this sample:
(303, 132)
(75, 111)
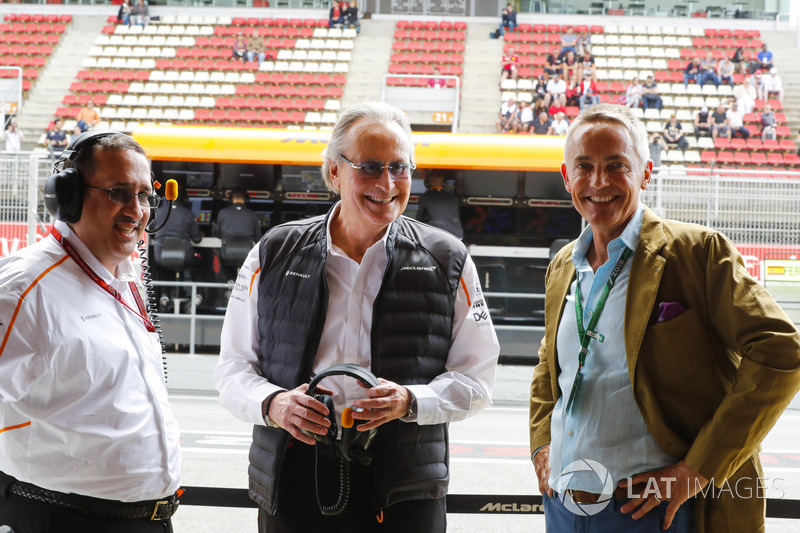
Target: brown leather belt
(581, 496)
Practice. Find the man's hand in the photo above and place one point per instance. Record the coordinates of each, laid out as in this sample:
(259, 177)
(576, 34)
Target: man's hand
(541, 463)
(296, 411)
(383, 403)
(676, 483)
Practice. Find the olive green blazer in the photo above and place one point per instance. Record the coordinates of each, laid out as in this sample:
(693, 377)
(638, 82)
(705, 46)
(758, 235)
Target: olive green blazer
(710, 383)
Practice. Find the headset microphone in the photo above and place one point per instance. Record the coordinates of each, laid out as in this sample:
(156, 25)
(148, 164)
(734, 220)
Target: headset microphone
(170, 194)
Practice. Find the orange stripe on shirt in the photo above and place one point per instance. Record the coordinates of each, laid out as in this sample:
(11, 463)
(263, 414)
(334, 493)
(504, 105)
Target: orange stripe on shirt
(466, 292)
(253, 280)
(21, 298)
(15, 427)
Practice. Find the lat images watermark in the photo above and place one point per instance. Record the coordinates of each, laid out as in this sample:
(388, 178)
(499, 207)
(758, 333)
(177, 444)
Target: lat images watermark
(661, 488)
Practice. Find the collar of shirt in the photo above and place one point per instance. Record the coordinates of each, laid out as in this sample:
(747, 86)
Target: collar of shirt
(335, 250)
(629, 237)
(125, 272)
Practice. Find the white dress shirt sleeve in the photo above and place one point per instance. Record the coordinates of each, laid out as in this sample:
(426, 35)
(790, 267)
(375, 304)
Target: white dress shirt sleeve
(242, 388)
(465, 388)
(20, 362)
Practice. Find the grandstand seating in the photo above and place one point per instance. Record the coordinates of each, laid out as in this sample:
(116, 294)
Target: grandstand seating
(179, 70)
(26, 41)
(622, 52)
(419, 47)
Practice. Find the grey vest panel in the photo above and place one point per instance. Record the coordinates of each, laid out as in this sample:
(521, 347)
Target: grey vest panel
(411, 330)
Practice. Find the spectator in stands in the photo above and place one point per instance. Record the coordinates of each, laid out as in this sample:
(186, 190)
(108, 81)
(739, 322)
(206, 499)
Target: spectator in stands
(510, 64)
(569, 65)
(559, 125)
(56, 140)
(436, 82)
(650, 96)
(351, 16)
(13, 137)
(573, 93)
(438, 206)
(719, 123)
(736, 122)
(702, 123)
(539, 89)
(239, 48)
(542, 124)
(88, 117)
(124, 13)
(657, 146)
(76, 131)
(556, 91)
(336, 15)
(256, 48)
(584, 43)
(708, 70)
(673, 134)
(508, 19)
(552, 65)
(691, 72)
(524, 118)
(764, 58)
(745, 94)
(141, 13)
(769, 124)
(589, 94)
(773, 86)
(506, 116)
(757, 81)
(725, 71)
(634, 93)
(556, 108)
(569, 42)
(740, 61)
(587, 64)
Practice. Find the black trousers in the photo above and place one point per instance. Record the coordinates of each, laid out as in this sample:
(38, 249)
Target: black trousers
(299, 512)
(28, 516)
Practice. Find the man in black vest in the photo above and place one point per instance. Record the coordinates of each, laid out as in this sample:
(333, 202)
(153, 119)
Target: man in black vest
(360, 285)
(439, 207)
(236, 222)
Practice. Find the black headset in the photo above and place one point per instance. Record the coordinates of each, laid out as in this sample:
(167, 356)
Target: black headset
(353, 444)
(63, 190)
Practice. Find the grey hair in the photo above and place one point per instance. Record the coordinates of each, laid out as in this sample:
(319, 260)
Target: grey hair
(340, 138)
(616, 114)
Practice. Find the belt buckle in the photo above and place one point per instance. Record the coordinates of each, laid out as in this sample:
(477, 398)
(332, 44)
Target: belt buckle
(155, 509)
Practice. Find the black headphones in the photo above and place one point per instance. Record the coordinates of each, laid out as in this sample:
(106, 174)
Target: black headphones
(353, 443)
(63, 190)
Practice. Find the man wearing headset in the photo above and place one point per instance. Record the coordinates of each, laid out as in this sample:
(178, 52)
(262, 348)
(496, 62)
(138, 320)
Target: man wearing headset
(87, 438)
(360, 285)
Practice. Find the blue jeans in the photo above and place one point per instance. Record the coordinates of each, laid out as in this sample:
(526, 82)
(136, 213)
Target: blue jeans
(689, 77)
(708, 76)
(510, 26)
(652, 101)
(559, 519)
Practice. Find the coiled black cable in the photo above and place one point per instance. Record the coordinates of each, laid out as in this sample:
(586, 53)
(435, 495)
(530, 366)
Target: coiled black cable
(152, 305)
(344, 487)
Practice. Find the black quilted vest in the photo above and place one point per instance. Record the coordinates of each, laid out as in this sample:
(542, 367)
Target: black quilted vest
(411, 329)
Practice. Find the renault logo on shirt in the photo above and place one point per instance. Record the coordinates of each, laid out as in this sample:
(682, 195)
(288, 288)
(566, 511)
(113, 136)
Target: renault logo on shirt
(297, 274)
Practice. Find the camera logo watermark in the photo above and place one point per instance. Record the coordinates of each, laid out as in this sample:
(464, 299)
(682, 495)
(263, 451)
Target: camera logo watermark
(587, 509)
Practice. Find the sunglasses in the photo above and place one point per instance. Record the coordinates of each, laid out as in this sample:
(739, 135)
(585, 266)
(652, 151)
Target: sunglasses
(123, 196)
(373, 169)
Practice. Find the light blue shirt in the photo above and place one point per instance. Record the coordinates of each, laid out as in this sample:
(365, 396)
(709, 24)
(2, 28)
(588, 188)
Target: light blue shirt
(604, 424)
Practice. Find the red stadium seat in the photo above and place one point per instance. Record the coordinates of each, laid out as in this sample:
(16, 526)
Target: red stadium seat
(788, 144)
(708, 156)
(775, 158)
(724, 157)
(758, 158)
(741, 158)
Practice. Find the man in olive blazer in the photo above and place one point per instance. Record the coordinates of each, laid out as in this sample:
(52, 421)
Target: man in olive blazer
(709, 383)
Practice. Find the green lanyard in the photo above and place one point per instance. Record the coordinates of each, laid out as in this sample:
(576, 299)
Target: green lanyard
(586, 335)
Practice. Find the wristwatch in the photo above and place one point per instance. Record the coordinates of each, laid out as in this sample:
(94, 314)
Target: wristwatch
(412, 407)
(267, 420)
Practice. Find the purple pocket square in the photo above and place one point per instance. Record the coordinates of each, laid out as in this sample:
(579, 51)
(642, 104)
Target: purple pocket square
(668, 311)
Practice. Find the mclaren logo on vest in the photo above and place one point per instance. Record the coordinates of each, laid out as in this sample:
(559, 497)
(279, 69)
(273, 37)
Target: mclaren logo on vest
(425, 268)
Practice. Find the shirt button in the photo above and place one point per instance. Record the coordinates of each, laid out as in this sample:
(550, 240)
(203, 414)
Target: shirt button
(570, 433)
(589, 312)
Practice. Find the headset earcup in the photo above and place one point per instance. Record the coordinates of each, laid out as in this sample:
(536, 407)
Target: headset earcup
(63, 195)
